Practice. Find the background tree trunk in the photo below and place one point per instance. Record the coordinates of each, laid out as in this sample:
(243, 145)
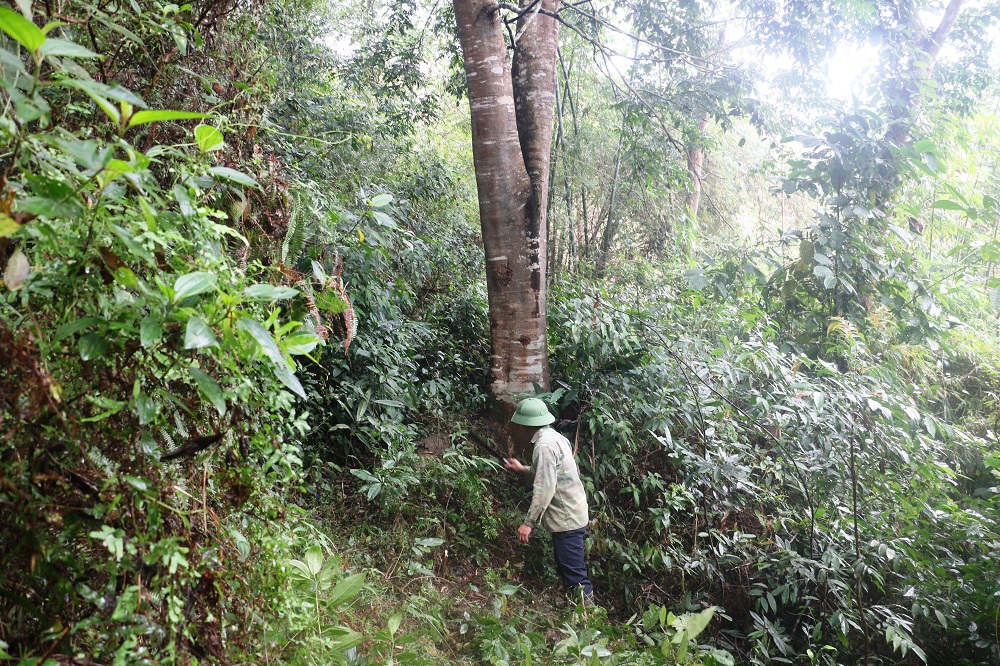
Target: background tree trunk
(512, 113)
(696, 159)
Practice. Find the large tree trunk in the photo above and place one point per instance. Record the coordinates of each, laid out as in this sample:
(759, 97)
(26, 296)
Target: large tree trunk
(512, 113)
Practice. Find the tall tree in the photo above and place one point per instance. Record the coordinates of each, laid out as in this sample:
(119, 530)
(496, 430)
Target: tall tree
(512, 109)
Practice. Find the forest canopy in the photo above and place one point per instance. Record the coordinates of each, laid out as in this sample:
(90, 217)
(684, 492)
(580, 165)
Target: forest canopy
(275, 274)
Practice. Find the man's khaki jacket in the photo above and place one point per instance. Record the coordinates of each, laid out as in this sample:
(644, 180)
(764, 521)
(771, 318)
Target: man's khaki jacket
(558, 503)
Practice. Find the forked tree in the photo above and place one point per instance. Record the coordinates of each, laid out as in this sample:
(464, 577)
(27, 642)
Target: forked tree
(512, 100)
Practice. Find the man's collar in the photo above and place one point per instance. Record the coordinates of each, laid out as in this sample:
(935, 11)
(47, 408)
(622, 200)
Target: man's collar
(534, 438)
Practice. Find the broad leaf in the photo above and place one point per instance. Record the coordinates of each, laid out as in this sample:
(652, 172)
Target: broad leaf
(145, 407)
(198, 334)
(210, 389)
(288, 378)
(106, 92)
(150, 331)
(300, 343)
(8, 226)
(263, 338)
(267, 292)
(347, 589)
(20, 29)
(313, 559)
(193, 284)
(208, 138)
(73, 327)
(381, 200)
(92, 345)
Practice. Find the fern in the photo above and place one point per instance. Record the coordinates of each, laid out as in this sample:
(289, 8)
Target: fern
(295, 237)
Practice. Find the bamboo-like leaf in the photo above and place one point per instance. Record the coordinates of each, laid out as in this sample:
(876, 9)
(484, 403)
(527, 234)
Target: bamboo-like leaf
(232, 175)
(159, 115)
(65, 49)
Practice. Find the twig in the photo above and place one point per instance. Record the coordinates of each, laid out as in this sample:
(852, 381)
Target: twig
(52, 647)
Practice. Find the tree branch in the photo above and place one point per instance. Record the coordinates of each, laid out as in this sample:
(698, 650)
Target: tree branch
(933, 45)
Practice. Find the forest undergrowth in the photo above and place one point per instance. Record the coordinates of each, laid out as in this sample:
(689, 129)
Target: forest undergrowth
(245, 366)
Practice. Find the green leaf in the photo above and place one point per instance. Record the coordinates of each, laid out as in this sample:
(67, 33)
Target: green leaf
(92, 345)
(198, 334)
(267, 292)
(696, 278)
(106, 92)
(394, 623)
(125, 277)
(288, 378)
(150, 331)
(208, 138)
(263, 338)
(698, 622)
(159, 115)
(69, 329)
(232, 175)
(300, 343)
(8, 226)
(313, 559)
(819, 270)
(110, 407)
(145, 407)
(384, 219)
(210, 389)
(381, 200)
(345, 639)
(65, 49)
(193, 284)
(20, 29)
(331, 302)
(347, 589)
(944, 204)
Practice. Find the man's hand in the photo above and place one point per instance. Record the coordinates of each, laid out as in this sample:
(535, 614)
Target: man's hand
(523, 533)
(515, 465)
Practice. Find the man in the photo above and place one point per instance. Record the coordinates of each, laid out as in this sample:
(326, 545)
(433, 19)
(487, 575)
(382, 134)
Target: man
(558, 501)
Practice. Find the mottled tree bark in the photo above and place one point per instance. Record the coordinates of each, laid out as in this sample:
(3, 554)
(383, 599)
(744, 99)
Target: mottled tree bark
(512, 110)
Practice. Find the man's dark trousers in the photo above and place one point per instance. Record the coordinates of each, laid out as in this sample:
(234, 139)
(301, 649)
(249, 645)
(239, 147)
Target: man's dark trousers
(570, 560)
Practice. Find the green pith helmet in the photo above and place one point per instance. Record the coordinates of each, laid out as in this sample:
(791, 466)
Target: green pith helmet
(532, 412)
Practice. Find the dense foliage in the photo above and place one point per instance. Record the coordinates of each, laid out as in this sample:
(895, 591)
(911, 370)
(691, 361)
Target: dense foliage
(244, 334)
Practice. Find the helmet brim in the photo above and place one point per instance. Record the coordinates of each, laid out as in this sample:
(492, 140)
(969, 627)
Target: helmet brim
(537, 420)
